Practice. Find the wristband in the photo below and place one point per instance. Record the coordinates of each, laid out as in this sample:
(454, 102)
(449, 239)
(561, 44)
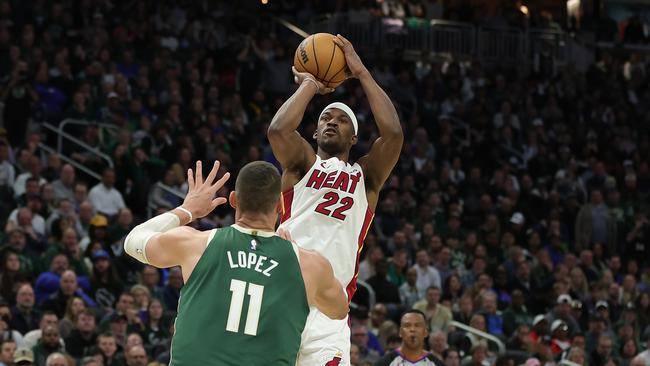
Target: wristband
(186, 211)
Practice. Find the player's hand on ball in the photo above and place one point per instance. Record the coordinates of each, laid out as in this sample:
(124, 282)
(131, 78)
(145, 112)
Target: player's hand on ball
(355, 66)
(305, 77)
(200, 199)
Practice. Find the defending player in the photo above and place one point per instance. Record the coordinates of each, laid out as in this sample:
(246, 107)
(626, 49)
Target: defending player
(328, 201)
(247, 291)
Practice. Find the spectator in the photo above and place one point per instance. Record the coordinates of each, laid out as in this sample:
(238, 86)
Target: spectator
(560, 341)
(32, 338)
(106, 285)
(595, 225)
(427, 275)
(76, 306)
(28, 219)
(368, 265)
(24, 317)
(385, 291)
(104, 197)
(24, 357)
(603, 353)
(6, 332)
(452, 357)
(7, 350)
(69, 246)
(516, 313)
(136, 356)
(47, 345)
(56, 359)
(397, 267)
(172, 290)
(408, 292)
(437, 316)
(68, 288)
(492, 315)
(151, 279)
(64, 186)
(83, 336)
(108, 348)
(33, 172)
(413, 331)
(438, 344)
(362, 338)
(156, 331)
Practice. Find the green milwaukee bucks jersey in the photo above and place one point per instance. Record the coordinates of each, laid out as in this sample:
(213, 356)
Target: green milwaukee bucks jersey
(244, 303)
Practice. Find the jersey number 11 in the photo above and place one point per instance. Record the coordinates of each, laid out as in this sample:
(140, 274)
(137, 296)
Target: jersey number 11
(255, 292)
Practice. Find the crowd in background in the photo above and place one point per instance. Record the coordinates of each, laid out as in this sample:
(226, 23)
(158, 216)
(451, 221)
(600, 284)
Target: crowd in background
(519, 204)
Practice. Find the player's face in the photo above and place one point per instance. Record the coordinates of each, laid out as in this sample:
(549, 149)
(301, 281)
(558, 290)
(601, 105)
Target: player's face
(335, 132)
(413, 331)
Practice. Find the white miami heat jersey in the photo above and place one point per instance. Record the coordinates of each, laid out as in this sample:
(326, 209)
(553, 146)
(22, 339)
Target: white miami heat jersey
(327, 211)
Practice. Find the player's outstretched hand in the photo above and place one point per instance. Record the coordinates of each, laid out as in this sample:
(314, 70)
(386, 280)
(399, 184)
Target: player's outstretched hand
(200, 199)
(300, 77)
(355, 66)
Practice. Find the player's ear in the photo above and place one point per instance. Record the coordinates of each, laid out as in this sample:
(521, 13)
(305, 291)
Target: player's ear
(315, 136)
(355, 139)
(232, 199)
(278, 206)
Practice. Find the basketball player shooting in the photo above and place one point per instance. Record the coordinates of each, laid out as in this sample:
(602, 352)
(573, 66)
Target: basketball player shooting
(328, 200)
(247, 292)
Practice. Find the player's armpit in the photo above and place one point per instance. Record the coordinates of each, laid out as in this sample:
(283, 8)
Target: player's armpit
(174, 247)
(330, 298)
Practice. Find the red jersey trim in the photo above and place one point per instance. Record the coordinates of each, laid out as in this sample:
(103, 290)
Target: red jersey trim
(287, 201)
(351, 288)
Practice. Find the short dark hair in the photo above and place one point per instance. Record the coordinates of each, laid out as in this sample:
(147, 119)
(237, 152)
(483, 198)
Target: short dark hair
(258, 187)
(414, 311)
(107, 334)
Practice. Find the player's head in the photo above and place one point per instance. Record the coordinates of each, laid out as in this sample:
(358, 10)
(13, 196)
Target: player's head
(257, 189)
(337, 129)
(413, 329)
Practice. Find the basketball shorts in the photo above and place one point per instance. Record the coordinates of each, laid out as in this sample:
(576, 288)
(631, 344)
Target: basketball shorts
(325, 342)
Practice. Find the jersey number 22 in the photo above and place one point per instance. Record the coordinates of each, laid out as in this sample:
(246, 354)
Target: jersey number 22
(255, 292)
(332, 198)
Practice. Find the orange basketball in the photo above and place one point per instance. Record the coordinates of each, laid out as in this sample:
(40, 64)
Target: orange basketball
(321, 57)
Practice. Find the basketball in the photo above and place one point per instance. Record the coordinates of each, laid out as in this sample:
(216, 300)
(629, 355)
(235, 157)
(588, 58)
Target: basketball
(321, 57)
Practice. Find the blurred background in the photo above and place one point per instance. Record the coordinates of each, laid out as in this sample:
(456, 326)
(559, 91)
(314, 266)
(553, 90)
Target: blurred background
(516, 217)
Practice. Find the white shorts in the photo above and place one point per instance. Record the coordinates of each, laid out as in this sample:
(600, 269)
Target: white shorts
(325, 342)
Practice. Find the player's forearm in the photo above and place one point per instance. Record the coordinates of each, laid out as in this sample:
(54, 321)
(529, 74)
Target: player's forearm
(288, 117)
(382, 108)
(136, 241)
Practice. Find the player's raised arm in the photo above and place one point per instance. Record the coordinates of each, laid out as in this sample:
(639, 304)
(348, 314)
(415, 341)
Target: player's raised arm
(292, 151)
(385, 151)
(163, 241)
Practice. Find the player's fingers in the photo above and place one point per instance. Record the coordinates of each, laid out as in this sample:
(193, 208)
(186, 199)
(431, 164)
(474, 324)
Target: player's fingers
(218, 184)
(213, 172)
(218, 201)
(199, 173)
(328, 90)
(345, 40)
(190, 179)
(338, 42)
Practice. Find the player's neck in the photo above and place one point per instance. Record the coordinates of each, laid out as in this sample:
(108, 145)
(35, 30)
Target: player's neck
(344, 156)
(256, 222)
